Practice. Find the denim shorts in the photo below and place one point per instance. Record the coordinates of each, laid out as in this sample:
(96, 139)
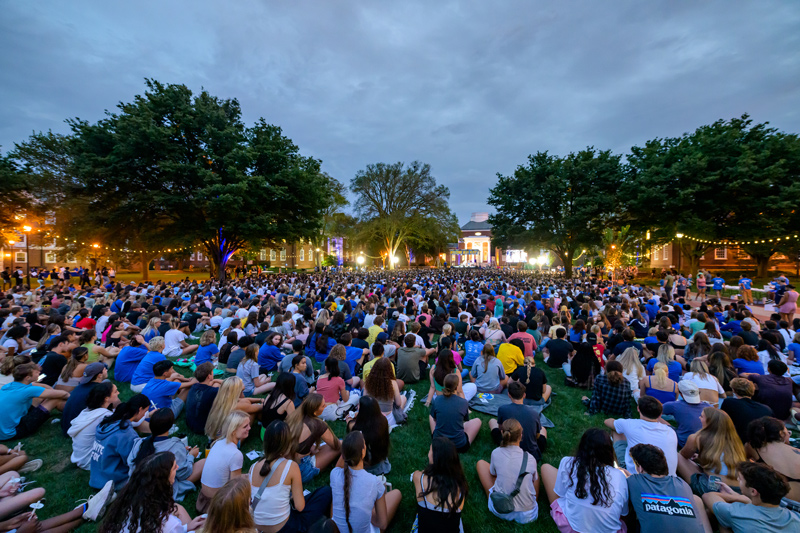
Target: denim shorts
(308, 468)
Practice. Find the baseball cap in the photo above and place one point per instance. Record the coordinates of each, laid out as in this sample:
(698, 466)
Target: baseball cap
(689, 391)
(91, 371)
(383, 336)
(591, 338)
(396, 314)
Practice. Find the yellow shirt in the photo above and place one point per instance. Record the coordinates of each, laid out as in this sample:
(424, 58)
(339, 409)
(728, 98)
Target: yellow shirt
(510, 356)
(368, 367)
(373, 333)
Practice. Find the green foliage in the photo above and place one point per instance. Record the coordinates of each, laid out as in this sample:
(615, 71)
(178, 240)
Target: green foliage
(14, 200)
(330, 260)
(560, 203)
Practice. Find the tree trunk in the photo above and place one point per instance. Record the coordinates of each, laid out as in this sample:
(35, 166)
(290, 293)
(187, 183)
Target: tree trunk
(219, 250)
(762, 264)
(566, 259)
(145, 266)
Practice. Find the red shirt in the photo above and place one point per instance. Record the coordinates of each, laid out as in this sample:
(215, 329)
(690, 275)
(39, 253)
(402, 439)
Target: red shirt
(527, 340)
(86, 323)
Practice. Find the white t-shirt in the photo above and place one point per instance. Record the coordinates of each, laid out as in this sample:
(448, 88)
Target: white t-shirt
(580, 513)
(708, 383)
(223, 459)
(11, 343)
(172, 524)
(639, 431)
(172, 342)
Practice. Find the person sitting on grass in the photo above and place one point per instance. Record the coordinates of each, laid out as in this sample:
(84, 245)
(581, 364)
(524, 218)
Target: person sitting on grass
(201, 397)
(449, 416)
(446, 365)
(757, 508)
(645, 430)
(661, 502)
(586, 492)
(279, 404)
(224, 460)
(255, 383)
(84, 426)
(27, 404)
(168, 388)
(208, 350)
(309, 432)
(534, 436)
(229, 509)
(175, 344)
(381, 385)
(487, 373)
(286, 362)
(504, 472)
(276, 482)
(144, 370)
(375, 427)
(113, 443)
(611, 394)
(768, 443)
(441, 489)
(129, 358)
(537, 391)
(741, 407)
(230, 398)
(360, 499)
(146, 503)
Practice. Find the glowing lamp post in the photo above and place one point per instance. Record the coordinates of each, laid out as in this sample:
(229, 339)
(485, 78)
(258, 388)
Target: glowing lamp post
(360, 261)
(27, 230)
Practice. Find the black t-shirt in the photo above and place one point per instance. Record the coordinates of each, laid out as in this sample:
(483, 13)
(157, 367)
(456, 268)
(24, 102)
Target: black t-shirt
(559, 352)
(359, 343)
(528, 418)
(75, 404)
(52, 364)
(198, 406)
(192, 318)
(133, 316)
(262, 337)
(534, 385)
(743, 411)
(164, 328)
(507, 329)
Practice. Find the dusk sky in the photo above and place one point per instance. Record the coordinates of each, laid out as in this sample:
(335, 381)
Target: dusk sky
(470, 87)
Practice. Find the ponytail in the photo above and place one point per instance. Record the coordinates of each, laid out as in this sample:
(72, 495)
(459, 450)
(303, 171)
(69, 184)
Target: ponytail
(160, 422)
(764, 430)
(487, 352)
(352, 449)
(450, 385)
(126, 410)
(511, 431)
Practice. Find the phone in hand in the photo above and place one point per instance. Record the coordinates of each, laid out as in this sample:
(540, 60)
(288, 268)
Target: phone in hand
(713, 483)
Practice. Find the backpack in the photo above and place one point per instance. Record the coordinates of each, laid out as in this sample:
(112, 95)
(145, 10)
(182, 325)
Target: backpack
(504, 503)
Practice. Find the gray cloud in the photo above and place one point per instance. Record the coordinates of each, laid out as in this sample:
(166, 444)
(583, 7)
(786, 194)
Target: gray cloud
(470, 87)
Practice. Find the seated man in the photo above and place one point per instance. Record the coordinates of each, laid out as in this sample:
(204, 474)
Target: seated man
(167, 388)
(662, 502)
(774, 390)
(741, 408)
(627, 433)
(757, 508)
(511, 355)
(27, 403)
(534, 436)
(558, 350)
(129, 358)
(412, 361)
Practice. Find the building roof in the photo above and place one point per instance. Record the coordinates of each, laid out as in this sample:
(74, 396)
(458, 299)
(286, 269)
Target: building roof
(476, 226)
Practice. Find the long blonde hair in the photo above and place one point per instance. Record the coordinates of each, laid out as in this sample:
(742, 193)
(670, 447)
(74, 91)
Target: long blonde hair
(230, 509)
(629, 359)
(717, 439)
(666, 354)
(225, 403)
(152, 325)
(660, 373)
(699, 368)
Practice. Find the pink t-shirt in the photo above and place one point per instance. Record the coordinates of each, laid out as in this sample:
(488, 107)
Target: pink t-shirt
(527, 341)
(330, 388)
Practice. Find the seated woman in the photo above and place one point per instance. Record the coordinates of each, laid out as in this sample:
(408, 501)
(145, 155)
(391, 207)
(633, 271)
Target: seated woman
(229, 509)
(666, 355)
(508, 463)
(323, 344)
(445, 365)
(146, 502)
(586, 492)
(721, 367)
(718, 450)
(474, 346)
(449, 416)
(768, 443)
(583, 367)
(230, 398)
(747, 361)
(382, 385)
(276, 484)
(360, 499)
(73, 371)
(114, 440)
(659, 386)
(309, 432)
(375, 427)
(224, 460)
(711, 390)
(83, 427)
(632, 370)
(611, 394)
(441, 489)
(97, 353)
(334, 391)
(189, 468)
(255, 383)
(280, 402)
(487, 372)
(537, 391)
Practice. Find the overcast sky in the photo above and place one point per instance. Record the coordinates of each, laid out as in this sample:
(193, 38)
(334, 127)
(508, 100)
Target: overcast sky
(470, 87)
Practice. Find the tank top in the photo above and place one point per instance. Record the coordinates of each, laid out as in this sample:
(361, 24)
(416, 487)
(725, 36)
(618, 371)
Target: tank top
(432, 518)
(273, 508)
(269, 414)
(662, 396)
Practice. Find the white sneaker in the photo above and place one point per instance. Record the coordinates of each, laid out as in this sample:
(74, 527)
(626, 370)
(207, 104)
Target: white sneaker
(31, 466)
(96, 505)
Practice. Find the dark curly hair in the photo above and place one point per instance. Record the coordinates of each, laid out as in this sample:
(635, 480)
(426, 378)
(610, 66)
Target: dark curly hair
(595, 452)
(146, 501)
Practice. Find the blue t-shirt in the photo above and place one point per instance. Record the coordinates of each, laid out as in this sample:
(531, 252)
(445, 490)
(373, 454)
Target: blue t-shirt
(205, 354)
(746, 283)
(688, 417)
(161, 391)
(795, 348)
(473, 351)
(15, 397)
(352, 355)
(269, 356)
(144, 370)
(674, 369)
(127, 361)
(718, 283)
(745, 366)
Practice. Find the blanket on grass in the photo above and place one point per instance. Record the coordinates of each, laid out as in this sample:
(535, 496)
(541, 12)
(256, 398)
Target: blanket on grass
(490, 403)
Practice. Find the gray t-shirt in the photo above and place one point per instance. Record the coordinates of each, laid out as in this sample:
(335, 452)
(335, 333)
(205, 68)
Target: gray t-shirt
(506, 464)
(746, 518)
(408, 363)
(365, 490)
(663, 504)
(487, 380)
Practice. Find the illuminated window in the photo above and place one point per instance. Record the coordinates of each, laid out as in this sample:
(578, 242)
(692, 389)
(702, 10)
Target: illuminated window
(721, 254)
(272, 256)
(262, 255)
(302, 254)
(20, 257)
(283, 254)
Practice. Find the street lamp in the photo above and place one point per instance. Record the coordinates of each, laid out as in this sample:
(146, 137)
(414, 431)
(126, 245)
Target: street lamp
(360, 260)
(27, 230)
(395, 260)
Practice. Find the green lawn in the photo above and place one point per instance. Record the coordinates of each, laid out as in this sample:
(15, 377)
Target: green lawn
(65, 483)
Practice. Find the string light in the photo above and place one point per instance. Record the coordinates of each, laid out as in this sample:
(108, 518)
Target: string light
(739, 243)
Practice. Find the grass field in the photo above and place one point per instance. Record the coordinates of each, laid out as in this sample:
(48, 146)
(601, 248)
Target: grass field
(65, 483)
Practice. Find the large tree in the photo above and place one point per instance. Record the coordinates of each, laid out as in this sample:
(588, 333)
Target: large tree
(397, 201)
(336, 201)
(561, 203)
(185, 169)
(14, 202)
(730, 181)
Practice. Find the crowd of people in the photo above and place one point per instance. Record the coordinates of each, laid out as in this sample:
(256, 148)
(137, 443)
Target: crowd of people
(699, 398)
